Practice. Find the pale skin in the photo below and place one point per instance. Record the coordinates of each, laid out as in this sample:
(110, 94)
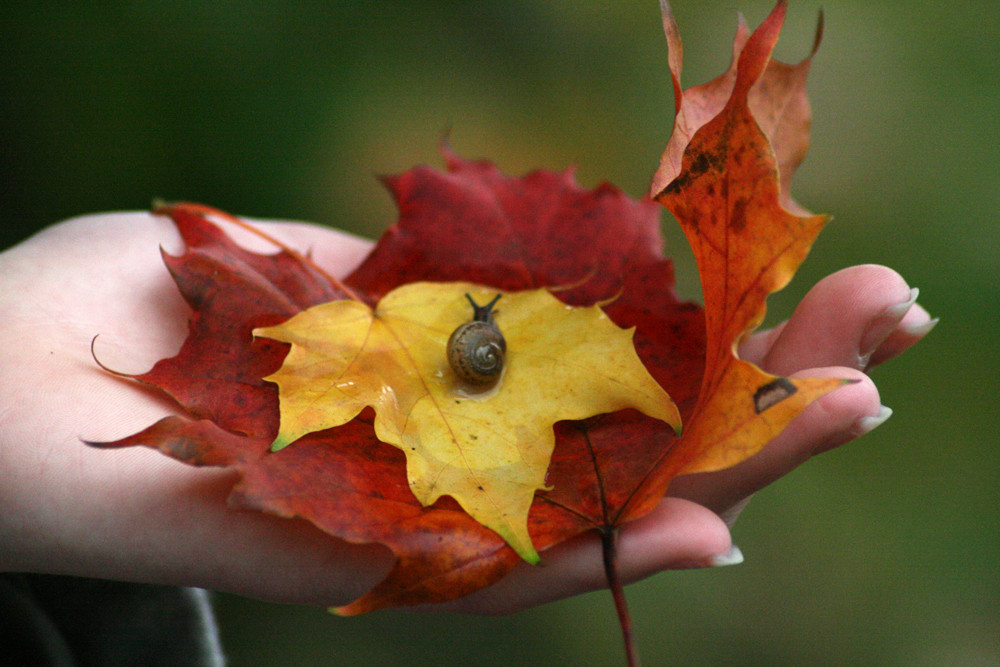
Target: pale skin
(134, 514)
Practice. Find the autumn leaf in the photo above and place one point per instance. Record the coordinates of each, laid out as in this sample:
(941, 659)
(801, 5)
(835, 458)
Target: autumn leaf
(734, 209)
(344, 480)
(724, 175)
(488, 450)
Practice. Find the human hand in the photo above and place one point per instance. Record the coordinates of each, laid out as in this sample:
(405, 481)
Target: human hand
(133, 514)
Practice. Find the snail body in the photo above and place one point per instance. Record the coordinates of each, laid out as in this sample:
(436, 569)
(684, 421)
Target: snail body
(476, 350)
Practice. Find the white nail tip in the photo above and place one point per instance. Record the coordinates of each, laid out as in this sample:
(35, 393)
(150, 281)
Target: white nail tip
(733, 557)
(898, 310)
(919, 330)
(868, 424)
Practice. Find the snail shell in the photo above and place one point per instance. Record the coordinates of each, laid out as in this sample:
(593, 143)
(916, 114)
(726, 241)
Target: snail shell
(476, 349)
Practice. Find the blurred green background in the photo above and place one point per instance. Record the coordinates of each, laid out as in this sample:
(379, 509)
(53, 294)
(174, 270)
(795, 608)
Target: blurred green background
(884, 552)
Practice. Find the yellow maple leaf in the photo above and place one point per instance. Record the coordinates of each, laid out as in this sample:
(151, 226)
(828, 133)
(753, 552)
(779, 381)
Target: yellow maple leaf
(488, 449)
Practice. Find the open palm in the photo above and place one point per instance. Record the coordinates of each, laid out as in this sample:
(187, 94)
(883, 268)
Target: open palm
(137, 515)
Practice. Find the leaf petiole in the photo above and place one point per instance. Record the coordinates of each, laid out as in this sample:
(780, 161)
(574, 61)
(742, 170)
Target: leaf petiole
(609, 550)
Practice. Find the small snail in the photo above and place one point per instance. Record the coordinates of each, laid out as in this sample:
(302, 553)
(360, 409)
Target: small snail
(476, 349)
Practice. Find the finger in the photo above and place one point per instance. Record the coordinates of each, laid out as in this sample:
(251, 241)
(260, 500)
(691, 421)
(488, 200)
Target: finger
(842, 321)
(677, 534)
(830, 421)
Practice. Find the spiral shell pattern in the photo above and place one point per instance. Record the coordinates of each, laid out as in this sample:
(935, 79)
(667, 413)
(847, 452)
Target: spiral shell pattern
(476, 350)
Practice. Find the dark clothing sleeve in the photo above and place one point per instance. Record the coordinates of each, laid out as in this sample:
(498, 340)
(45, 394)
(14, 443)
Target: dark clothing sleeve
(74, 622)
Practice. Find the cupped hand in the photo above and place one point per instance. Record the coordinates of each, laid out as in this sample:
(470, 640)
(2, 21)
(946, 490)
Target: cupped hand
(133, 514)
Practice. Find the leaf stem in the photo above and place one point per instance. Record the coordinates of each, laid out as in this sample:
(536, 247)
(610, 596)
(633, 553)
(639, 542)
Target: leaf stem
(609, 544)
(106, 369)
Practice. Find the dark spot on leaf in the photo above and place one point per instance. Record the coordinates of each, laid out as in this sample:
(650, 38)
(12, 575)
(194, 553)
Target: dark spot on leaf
(674, 186)
(772, 393)
(738, 218)
(700, 165)
(703, 162)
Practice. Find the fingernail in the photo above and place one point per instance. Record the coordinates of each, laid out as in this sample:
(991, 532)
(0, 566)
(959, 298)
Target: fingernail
(919, 330)
(869, 424)
(733, 557)
(883, 325)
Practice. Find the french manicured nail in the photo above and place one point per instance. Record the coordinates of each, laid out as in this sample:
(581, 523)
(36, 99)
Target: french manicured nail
(733, 557)
(919, 330)
(869, 424)
(883, 325)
